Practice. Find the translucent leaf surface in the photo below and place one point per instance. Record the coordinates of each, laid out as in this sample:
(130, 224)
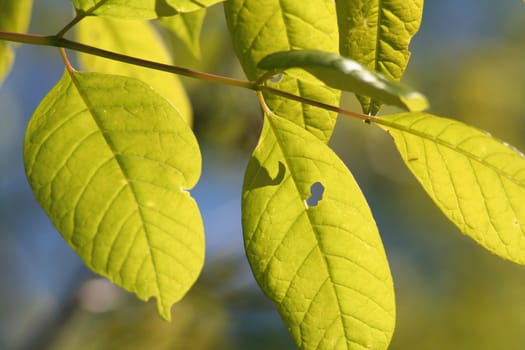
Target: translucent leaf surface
(320, 259)
(146, 9)
(345, 74)
(185, 6)
(476, 180)
(111, 161)
(137, 39)
(377, 33)
(259, 28)
(187, 28)
(14, 17)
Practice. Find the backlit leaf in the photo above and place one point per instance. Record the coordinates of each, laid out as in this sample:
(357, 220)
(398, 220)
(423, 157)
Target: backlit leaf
(138, 39)
(475, 179)
(187, 28)
(111, 161)
(185, 6)
(345, 74)
(261, 27)
(321, 259)
(377, 33)
(146, 9)
(14, 17)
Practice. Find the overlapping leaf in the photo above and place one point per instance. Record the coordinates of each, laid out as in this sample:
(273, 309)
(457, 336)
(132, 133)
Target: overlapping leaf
(185, 6)
(14, 16)
(138, 39)
(187, 28)
(345, 74)
(476, 180)
(146, 9)
(111, 161)
(377, 33)
(323, 264)
(261, 27)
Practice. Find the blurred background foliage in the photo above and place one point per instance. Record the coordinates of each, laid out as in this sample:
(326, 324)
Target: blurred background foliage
(468, 58)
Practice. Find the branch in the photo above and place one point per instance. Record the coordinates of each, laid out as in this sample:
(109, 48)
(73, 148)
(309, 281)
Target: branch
(58, 41)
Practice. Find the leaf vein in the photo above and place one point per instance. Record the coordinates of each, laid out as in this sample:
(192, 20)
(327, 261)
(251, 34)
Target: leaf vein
(48, 137)
(174, 237)
(115, 239)
(77, 201)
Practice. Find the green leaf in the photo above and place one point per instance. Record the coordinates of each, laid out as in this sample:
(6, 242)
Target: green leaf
(111, 161)
(377, 33)
(476, 180)
(187, 28)
(345, 74)
(259, 28)
(145, 9)
(185, 6)
(14, 17)
(137, 39)
(323, 264)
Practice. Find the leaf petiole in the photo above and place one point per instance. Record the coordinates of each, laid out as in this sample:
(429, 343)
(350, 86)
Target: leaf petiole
(68, 65)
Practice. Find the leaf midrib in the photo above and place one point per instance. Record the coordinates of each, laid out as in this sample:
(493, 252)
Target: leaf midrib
(325, 263)
(378, 34)
(377, 46)
(450, 146)
(90, 108)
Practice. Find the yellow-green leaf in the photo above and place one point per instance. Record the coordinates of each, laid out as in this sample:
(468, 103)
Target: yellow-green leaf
(146, 9)
(346, 74)
(476, 180)
(185, 6)
(261, 27)
(111, 161)
(187, 28)
(320, 260)
(14, 17)
(138, 39)
(377, 33)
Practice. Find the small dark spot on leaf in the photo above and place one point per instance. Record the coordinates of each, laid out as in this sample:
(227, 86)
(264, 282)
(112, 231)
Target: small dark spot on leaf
(316, 191)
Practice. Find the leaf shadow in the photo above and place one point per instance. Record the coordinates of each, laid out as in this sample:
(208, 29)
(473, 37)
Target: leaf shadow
(262, 176)
(163, 9)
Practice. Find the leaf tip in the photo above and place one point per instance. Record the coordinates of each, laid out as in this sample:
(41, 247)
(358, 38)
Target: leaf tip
(164, 310)
(415, 102)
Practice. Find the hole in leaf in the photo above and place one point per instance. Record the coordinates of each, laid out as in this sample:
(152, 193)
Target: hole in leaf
(316, 191)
